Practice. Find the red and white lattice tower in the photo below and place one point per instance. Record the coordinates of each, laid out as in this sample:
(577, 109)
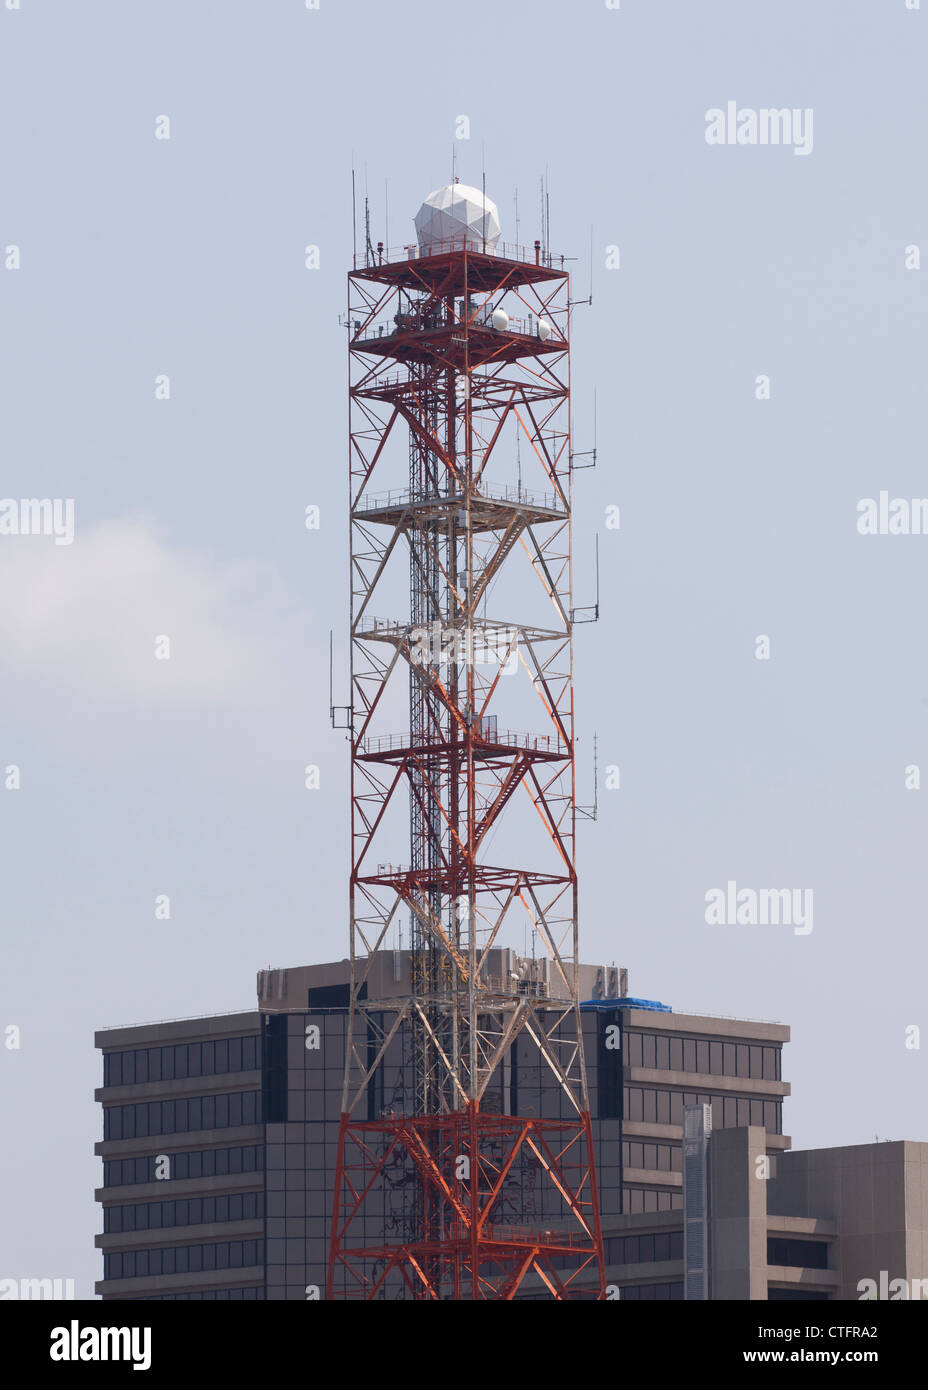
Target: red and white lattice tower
(462, 756)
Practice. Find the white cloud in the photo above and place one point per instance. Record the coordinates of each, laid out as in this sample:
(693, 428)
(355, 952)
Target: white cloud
(88, 615)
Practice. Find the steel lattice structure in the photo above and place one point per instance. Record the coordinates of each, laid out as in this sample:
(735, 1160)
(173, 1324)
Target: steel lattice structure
(455, 353)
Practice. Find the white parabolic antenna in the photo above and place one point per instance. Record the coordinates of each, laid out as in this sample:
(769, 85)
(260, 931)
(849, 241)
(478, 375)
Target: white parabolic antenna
(457, 215)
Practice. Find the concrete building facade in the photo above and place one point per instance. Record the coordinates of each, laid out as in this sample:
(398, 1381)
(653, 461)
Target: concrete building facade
(220, 1134)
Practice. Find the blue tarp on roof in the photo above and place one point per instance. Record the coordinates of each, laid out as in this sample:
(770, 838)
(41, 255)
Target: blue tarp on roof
(626, 1002)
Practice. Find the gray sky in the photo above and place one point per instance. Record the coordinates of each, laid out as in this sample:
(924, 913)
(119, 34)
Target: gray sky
(739, 516)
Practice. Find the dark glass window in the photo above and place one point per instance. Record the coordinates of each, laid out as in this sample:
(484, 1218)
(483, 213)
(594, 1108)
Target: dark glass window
(121, 1172)
(648, 1050)
(728, 1059)
(652, 1293)
(795, 1295)
(178, 1117)
(249, 1295)
(797, 1254)
(715, 1058)
(179, 1060)
(663, 1053)
(633, 1049)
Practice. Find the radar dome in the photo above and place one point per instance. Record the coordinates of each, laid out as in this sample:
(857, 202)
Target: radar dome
(457, 215)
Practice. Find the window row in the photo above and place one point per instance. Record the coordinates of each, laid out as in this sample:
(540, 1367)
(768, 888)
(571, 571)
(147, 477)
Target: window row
(797, 1254)
(644, 1250)
(174, 1063)
(666, 1108)
(761, 1063)
(221, 1295)
(185, 1115)
(661, 1293)
(637, 1199)
(657, 1158)
(791, 1295)
(201, 1163)
(188, 1211)
(183, 1259)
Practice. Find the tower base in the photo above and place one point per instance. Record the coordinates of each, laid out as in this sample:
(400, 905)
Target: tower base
(465, 1206)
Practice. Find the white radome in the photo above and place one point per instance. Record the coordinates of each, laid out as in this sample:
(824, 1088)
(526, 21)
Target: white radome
(457, 215)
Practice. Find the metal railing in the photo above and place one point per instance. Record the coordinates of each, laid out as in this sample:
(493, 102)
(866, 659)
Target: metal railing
(728, 1018)
(186, 1018)
(506, 738)
(547, 1235)
(503, 251)
(490, 492)
(427, 323)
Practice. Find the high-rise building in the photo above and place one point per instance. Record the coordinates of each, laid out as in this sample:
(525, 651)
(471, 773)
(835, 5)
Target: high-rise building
(220, 1139)
(220, 1134)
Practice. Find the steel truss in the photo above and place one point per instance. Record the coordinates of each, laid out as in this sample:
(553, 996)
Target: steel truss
(439, 388)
